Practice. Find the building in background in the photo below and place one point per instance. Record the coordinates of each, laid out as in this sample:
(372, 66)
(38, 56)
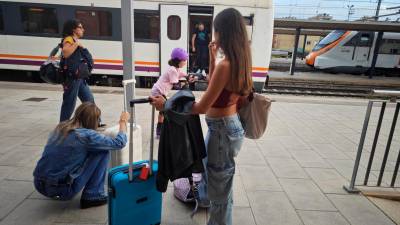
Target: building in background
(285, 42)
(322, 16)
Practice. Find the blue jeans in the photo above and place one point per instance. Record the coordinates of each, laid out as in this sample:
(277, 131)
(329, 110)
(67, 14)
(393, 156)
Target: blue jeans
(202, 57)
(91, 179)
(73, 89)
(223, 142)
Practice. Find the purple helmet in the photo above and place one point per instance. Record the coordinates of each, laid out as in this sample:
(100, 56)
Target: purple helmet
(179, 53)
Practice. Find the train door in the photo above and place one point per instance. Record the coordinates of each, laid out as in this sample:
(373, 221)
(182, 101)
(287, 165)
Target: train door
(363, 51)
(173, 32)
(345, 52)
(199, 15)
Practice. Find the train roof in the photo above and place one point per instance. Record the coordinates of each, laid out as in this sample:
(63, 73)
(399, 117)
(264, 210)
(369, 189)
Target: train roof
(391, 35)
(117, 3)
(247, 3)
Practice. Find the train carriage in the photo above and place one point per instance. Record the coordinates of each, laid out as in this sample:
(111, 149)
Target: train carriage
(352, 52)
(29, 30)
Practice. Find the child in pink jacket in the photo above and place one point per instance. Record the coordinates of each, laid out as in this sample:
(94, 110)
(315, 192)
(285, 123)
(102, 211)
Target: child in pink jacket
(171, 77)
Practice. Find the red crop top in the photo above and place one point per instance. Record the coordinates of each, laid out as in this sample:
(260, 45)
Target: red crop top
(224, 99)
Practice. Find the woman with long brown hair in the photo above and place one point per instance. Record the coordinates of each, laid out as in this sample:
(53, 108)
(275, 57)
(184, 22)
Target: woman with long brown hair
(230, 81)
(76, 157)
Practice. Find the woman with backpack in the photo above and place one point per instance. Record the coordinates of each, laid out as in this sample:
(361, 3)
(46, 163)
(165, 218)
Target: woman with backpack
(76, 64)
(230, 82)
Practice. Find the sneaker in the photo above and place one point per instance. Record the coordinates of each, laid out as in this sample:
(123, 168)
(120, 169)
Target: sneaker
(93, 203)
(158, 130)
(202, 201)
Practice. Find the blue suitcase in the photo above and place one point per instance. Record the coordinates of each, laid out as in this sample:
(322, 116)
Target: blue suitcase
(132, 201)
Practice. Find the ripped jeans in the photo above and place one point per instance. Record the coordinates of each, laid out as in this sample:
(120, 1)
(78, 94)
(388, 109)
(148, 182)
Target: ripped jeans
(223, 142)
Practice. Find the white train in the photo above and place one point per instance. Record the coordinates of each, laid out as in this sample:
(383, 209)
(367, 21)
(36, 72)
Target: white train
(352, 52)
(29, 30)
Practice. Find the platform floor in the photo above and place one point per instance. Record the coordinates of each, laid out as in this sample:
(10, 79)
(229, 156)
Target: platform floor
(293, 175)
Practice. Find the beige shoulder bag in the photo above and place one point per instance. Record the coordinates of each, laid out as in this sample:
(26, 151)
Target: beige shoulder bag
(254, 115)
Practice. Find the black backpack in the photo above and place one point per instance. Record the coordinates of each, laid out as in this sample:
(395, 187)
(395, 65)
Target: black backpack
(78, 65)
(50, 71)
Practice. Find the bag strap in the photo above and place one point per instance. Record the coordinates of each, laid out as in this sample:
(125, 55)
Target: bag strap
(54, 51)
(250, 97)
(61, 45)
(195, 191)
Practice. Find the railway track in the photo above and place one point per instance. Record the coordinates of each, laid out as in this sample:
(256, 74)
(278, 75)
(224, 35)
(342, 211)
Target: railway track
(323, 88)
(294, 86)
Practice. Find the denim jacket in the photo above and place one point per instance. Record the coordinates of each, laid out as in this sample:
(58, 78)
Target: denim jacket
(63, 161)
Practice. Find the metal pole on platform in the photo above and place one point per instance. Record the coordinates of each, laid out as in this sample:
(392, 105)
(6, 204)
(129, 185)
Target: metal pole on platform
(378, 129)
(127, 22)
(294, 54)
(396, 170)
(375, 56)
(304, 46)
(351, 188)
(389, 143)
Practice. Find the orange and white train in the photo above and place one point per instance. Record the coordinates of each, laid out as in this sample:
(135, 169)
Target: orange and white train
(352, 52)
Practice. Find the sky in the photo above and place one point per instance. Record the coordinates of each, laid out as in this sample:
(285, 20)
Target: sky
(303, 9)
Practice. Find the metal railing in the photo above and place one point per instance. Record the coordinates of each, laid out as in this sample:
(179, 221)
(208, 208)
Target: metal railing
(393, 99)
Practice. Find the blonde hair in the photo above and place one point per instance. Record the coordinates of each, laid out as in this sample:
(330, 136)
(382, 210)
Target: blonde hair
(87, 115)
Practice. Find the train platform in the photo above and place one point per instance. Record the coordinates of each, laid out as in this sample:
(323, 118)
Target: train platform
(293, 175)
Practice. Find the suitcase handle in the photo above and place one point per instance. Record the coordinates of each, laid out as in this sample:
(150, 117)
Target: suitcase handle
(139, 101)
(132, 104)
(125, 85)
(130, 168)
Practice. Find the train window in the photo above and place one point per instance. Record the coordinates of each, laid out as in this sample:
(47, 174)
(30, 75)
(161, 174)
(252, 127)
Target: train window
(361, 40)
(147, 26)
(95, 22)
(330, 38)
(39, 20)
(1, 19)
(174, 27)
(248, 20)
(353, 41)
(365, 40)
(390, 46)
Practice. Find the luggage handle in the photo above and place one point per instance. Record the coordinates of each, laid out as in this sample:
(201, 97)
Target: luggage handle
(130, 169)
(139, 101)
(125, 84)
(132, 121)
(132, 104)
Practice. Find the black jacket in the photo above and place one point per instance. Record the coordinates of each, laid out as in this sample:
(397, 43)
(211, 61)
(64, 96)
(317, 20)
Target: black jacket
(181, 147)
(74, 64)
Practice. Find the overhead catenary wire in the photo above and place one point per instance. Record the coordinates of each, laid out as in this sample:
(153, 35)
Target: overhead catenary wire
(320, 7)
